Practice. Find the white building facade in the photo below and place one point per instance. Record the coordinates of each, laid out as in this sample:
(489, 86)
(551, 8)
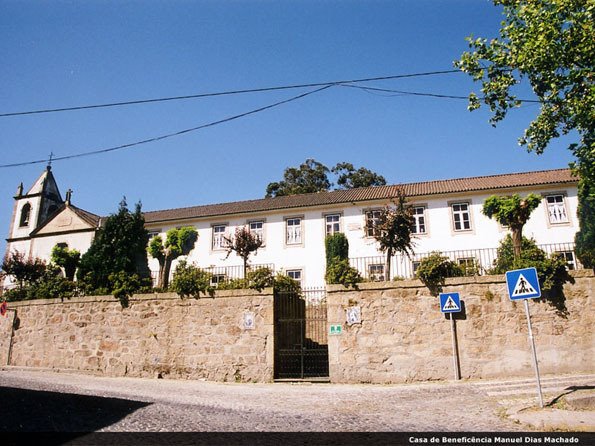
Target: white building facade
(447, 213)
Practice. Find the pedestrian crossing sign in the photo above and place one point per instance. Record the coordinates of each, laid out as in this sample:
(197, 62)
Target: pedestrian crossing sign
(450, 302)
(523, 284)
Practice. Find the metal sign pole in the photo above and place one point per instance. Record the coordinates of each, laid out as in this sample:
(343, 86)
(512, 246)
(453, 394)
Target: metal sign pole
(455, 350)
(532, 341)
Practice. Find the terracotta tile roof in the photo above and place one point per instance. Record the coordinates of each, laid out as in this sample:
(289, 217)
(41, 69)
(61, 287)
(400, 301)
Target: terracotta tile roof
(87, 216)
(486, 183)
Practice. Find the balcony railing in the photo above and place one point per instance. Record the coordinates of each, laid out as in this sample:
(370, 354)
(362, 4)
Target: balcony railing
(475, 261)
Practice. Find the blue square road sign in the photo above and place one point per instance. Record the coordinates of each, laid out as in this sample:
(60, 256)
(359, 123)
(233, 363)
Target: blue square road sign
(450, 302)
(523, 284)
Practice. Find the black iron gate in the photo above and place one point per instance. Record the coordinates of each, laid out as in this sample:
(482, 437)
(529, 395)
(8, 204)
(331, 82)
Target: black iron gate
(301, 347)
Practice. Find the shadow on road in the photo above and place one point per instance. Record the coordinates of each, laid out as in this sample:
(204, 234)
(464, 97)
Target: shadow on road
(25, 410)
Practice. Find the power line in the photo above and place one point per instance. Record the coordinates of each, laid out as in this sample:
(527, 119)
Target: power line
(169, 135)
(415, 93)
(223, 93)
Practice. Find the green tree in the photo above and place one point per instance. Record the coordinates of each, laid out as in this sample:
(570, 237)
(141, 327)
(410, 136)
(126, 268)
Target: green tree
(513, 212)
(119, 246)
(25, 271)
(393, 230)
(243, 243)
(311, 176)
(178, 241)
(336, 246)
(350, 178)
(66, 258)
(550, 43)
(585, 237)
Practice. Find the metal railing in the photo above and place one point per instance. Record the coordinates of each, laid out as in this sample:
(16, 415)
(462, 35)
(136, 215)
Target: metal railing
(475, 261)
(221, 273)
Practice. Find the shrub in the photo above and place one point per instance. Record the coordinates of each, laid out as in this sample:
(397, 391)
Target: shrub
(286, 284)
(190, 281)
(260, 278)
(434, 269)
(124, 285)
(551, 271)
(340, 272)
(336, 246)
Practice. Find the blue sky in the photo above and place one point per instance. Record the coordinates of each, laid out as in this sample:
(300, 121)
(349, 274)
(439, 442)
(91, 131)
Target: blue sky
(69, 53)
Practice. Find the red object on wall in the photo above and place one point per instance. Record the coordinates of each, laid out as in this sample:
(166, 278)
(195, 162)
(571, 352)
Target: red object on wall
(3, 308)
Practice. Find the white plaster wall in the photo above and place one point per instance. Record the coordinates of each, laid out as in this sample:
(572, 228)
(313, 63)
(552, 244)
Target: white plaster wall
(310, 255)
(41, 247)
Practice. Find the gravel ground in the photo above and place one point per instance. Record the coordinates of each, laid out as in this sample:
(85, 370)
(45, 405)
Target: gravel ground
(46, 401)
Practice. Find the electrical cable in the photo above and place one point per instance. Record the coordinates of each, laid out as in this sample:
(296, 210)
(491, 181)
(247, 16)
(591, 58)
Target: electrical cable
(224, 93)
(169, 135)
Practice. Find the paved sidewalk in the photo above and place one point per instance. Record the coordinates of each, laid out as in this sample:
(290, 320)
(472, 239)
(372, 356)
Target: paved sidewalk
(66, 402)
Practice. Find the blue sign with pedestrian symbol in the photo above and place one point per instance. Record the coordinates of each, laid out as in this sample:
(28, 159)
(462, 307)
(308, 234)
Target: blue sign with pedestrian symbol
(450, 302)
(523, 284)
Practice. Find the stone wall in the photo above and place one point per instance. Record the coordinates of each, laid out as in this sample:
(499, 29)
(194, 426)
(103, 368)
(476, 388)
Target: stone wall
(157, 335)
(403, 336)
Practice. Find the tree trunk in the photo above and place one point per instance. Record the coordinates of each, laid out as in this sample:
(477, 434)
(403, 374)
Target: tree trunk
(245, 267)
(165, 273)
(517, 239)
(389, 254)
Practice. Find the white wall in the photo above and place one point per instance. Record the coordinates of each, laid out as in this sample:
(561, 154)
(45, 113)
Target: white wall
(310, 255)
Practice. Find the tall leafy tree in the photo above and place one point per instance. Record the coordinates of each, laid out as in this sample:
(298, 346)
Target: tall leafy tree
(120, 246)
(178, 241)
(393, 230)
(243, 243)
(349, 177)
(550, 44)
(513, 212)
(310, 176)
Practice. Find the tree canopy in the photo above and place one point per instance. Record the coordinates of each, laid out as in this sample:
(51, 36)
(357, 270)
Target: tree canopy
(243, 243)
(178, 241)
(551, 43)
(313, 176)
(513, 212)
(119, 246)
(393, 229)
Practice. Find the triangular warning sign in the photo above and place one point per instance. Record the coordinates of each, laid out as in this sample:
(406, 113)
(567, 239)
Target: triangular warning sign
(450, 304)
(522, 287)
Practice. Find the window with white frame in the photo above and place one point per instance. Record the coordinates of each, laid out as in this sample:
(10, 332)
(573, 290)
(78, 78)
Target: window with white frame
(218, 234)
(154, 233)
(461, 216)
(568, 257)
(415, 265)
(217, 279)
(257, 228)
(333, 223)
(293, 231)
(419, 220)
(469, 265)
(295, 274)
(376, 272)
(372, 220)
(556, 209)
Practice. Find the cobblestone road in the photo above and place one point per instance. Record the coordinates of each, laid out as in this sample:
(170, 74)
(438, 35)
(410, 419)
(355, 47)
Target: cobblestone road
(68, 402)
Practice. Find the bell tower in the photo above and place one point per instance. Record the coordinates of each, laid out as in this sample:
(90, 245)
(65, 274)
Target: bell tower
(33, 208)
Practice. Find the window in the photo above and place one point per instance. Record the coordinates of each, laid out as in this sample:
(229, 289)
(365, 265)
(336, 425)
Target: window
(216, 279)
(415, 265)
(568, 257)
(333, 224)
(556, 209)
(218, 234)
(257, 228)
(469, 266)
(461, 216)
(372, 220)
(154, 233)
(294, 231)
(419, 225)
(295, 274)
(25, 215)
(376, 272)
